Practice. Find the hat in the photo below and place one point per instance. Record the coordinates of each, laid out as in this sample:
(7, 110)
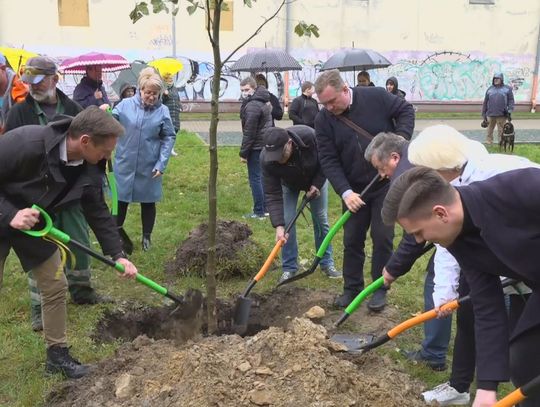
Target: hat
(2, 59)
(275, 139)
(37, 68)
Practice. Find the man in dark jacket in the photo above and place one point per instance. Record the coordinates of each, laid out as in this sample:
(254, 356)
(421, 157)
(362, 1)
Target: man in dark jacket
(53, 166)
(498, 106)
(256, 117)
(304, 108)
(277, 110)
(90, 90)
(392, 87)
(341, 152)
(491, 227)
(290, 165)
(42, 104)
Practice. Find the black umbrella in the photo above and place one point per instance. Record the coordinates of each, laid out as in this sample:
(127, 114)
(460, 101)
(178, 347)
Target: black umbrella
(128, 76)
(273, 60)
(356, 59)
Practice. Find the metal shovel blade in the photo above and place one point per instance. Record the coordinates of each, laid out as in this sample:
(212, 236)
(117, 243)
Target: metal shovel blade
(353, 342)
(241, 315)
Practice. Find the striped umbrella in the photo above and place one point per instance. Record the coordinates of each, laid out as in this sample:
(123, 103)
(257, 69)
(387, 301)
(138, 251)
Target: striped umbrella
(109, 63)
(273, 60)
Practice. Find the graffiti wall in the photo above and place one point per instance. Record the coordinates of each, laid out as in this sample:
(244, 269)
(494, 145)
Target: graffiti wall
(423, 76)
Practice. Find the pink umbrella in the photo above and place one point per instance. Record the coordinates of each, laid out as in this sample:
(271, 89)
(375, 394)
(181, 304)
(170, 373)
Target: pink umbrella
(109, 62)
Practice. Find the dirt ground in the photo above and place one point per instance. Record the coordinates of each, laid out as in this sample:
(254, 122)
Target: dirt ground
(290, 363)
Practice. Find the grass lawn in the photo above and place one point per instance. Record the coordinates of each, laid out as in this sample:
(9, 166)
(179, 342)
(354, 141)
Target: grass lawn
(22, 352)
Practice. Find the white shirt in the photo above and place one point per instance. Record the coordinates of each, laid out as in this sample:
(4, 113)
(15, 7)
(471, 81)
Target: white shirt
(64, 157)
(478, 168)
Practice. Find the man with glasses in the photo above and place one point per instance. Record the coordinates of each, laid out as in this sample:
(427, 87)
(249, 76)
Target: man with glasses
(43, 103)
(344, 128)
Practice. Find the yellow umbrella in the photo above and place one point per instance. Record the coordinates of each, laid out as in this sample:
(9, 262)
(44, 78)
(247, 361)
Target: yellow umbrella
(17, 57)
(166, 66)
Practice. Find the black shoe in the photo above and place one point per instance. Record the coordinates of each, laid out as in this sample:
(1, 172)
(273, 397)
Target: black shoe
(60, 361)
(344, 300)
(146, 243)
(416, 356)
(92, 299)
(378, 300)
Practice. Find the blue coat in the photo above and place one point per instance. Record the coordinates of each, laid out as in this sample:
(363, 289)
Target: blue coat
(145, 147)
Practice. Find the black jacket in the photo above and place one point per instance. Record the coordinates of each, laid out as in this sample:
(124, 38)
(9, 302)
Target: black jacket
(256, 116)
(341, 149)
(299, 173)
(500, 237)
(84, 93)
(25, 113)
(303, 110)
(277, 110)
(30, 173)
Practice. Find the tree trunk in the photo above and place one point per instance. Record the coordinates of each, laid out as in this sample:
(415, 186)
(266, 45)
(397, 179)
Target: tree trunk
(212, 179)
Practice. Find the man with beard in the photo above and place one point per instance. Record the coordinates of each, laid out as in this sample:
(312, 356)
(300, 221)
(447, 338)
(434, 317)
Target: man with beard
(90, 90)
(42, 104)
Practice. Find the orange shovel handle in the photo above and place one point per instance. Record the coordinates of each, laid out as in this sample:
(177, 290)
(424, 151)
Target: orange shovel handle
(266, 266)
(419, 319)
(511, 399)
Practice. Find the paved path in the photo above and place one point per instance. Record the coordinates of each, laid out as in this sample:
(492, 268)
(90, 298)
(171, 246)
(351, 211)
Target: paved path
(230, 131)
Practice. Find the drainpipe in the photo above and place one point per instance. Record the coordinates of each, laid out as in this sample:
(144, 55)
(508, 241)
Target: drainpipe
(173, 35)
(287, 50)
(535, 74)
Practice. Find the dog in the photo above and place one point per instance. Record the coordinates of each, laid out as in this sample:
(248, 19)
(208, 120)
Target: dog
(508, 138)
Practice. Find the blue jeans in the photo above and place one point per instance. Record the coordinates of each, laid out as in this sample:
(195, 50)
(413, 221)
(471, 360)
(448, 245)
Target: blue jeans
(319, 215)
(436, 331)
(255, 182)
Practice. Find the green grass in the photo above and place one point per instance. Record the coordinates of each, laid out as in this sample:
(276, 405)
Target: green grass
(184, 207)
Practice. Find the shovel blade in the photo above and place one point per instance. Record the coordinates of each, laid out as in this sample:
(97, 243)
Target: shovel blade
(353, 342)
(241, 315)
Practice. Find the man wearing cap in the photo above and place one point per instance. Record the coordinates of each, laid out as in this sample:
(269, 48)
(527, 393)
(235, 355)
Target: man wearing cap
(290, 165)
(42, 104)
(90, 90)
(6, 82)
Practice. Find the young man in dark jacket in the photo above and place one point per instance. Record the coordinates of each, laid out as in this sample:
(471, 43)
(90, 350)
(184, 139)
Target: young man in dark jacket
(304, 108)
(491, 227)
(53, 166)
(256, 117)
(290, 165)
(277, 110)
(43, 102)
(341, 152)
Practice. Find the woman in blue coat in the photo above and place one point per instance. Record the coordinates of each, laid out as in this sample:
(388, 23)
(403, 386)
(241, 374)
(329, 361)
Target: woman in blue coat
(143, 153)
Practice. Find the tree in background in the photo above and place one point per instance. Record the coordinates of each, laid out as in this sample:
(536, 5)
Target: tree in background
(212, 10)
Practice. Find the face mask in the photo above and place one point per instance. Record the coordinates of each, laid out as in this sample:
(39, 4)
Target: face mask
(246, 94)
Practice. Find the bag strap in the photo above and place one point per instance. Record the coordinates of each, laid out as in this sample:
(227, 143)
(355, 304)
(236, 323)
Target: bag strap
(355, 127)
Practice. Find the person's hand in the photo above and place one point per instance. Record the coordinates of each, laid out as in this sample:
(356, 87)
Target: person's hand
(443, 312)
(98, 94)
(313, 192)
(485, 398)
(281, 235)
(353, 202)
(130, 271)
(156, 174)
(25, 219)
(165, 92)
(388, 278)
(105, 106)
(509, 117)
(243, 160)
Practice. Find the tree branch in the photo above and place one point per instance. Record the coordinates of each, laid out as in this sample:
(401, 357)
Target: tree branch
(257, 31)
(209, 22)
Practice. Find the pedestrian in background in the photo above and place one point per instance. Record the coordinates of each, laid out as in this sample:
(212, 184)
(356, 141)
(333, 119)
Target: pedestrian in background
(498, 106)
(363, 79)
(171, 99)
(277, 110)
(90, 90)
(304, 108)
(392, 87)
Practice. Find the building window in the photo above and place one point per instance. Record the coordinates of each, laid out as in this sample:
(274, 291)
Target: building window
(73, 13)
(481, 1)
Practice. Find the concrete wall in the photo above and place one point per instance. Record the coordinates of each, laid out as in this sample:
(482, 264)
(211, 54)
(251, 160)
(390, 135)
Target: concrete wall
(440, 50)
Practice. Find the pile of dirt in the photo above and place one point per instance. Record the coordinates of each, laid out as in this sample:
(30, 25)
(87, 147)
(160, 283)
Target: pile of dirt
(237, 255)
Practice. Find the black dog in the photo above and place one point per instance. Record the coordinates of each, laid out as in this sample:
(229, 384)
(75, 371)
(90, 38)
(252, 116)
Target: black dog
(508, 137)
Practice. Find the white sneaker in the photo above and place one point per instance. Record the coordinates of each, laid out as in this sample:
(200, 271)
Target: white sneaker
(446, 395)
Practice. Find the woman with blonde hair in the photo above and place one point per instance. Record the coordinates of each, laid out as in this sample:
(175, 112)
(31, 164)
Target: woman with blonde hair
(143, 152)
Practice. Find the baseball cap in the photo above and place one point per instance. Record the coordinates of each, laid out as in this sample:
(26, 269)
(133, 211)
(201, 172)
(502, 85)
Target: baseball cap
(37, 68)
(275, 139)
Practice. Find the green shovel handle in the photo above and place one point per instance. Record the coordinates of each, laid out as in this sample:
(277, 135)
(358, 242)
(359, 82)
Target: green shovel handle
(332, 232)
(48, 229)
(143, 280)
(366, 292)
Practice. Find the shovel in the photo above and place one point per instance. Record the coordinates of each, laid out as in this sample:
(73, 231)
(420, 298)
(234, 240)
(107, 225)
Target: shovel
(329, 236)
(50, 231)
(370, 289)
(417, 320)
(243, 304)
(529, 389)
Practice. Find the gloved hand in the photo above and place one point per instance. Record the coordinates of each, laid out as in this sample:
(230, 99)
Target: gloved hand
(509, 117)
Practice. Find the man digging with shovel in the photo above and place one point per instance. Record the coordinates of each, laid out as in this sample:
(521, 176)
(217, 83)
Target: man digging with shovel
(53, 166)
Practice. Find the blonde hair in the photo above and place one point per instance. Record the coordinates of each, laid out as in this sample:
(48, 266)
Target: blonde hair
(442, 147)
(150, 78)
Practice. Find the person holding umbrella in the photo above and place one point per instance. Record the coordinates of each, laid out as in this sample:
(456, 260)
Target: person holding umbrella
(143, 153)
(90, 90)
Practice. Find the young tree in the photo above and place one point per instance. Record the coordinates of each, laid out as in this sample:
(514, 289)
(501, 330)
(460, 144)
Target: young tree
(212, 10)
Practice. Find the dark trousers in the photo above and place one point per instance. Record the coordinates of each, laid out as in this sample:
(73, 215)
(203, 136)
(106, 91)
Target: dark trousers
(437, 331)
(355, 232)
(148, 215)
